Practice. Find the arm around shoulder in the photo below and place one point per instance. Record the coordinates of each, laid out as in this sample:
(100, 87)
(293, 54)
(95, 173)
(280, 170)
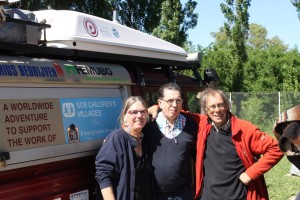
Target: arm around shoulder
(153, 111)
(195, 116)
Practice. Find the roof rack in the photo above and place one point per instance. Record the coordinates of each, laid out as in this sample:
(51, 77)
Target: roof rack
(5, 17)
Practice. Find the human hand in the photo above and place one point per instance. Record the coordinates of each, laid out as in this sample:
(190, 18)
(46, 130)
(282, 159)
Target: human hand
(153, 111)
(245, 179)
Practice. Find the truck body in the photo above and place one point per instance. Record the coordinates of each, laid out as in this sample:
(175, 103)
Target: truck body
(61, 93)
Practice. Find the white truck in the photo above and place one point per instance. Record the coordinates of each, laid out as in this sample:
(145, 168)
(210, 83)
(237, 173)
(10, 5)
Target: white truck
(62, 85)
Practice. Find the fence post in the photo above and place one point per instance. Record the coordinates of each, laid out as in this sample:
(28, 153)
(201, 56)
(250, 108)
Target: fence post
(279, 106)
(230, 99)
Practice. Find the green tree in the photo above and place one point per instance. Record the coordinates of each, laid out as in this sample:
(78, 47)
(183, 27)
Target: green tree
(270, 66)
(176, 21)
(101, 8)
(49, 4)
(189, 47)
(143, 15)
(290, 71)
(276, 41)
(236, 28)
(221, 37)
(266, 57)
(262, 70)
(218, 56)
(273, 68)
(257, 36)
(296, 3)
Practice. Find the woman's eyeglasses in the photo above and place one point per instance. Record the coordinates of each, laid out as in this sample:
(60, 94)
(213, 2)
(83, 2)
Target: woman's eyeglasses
(136, 112)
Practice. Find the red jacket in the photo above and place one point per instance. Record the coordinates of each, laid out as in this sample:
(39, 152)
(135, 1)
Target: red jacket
(250, 142)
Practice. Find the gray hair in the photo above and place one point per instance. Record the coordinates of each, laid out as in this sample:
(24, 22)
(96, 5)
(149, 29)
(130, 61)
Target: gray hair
(211, 92)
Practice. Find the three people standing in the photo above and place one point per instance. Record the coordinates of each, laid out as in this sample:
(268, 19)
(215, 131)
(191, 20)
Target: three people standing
(231, 154)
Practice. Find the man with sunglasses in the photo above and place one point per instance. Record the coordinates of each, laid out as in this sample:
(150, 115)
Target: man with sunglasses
(171, 141)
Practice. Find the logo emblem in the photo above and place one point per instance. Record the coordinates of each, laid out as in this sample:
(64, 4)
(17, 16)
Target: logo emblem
(58, 69)
(90, 27)
(68, 110)
(115, 32)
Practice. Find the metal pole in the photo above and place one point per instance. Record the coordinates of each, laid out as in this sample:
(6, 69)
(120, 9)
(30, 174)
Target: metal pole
(279, 106)
(230, 99)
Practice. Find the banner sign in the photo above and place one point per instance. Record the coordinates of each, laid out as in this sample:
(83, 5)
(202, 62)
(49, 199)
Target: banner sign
(33, 123)
(87, 119)
(28, 123)
(35, 70)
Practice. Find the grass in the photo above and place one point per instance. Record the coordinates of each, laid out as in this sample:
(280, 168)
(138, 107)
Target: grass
(280, 185)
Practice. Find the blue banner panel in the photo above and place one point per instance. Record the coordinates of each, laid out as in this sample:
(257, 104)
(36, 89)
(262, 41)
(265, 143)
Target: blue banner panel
(87, 119)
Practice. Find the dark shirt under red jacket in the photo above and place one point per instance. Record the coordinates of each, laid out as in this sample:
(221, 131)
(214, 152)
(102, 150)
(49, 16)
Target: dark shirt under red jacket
(221, 176)
(249, 142)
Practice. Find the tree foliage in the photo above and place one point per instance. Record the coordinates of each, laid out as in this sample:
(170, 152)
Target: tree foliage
(262, 71)
(265, 64)
(291, 71)
(236, 28)
(143, 15)
(101, 8)
(270, 66)
(175, 21)
(296, 3)
(257, 36)
(218, 56)
(221, 37)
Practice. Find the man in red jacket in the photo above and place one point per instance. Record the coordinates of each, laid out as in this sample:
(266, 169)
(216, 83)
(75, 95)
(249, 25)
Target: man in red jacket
(232, 154)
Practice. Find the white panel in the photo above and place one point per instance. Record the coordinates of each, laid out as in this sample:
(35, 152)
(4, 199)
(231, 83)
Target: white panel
(45, 92)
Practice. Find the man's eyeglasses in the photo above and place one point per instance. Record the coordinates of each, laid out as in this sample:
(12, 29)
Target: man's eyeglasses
(135, 112)
(221, 106)
(171, 101)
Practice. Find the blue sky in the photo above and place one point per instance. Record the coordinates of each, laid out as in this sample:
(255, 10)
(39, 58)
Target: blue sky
(279, 17)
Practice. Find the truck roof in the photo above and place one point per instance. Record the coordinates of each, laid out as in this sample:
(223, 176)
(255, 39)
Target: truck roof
(75, 35)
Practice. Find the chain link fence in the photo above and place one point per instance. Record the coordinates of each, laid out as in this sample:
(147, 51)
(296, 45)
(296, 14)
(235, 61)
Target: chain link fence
(260, 108)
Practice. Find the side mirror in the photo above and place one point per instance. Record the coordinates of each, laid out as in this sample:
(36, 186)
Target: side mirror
(210, 75)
